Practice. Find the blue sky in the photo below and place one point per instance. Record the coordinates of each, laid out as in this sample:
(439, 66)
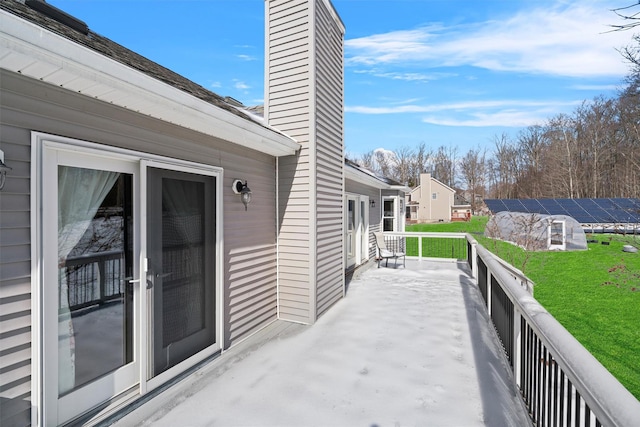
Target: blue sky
(439, 72)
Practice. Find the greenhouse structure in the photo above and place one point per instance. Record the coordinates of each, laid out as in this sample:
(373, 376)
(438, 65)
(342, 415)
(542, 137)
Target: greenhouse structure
(537, 232)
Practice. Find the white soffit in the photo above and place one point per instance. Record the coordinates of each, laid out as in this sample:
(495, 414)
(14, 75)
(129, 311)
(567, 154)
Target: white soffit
(33, 51)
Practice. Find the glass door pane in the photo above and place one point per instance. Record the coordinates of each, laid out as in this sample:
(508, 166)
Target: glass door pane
(351, 224)
(388, 215)
(95, 254)
(181, 246)
(556, 233)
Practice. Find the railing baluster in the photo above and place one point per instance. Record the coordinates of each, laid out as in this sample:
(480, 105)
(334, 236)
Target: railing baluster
(569, 394)
(93, 279)
(555, 394)
(561, 414)
(543, 384)
(549, 366)
(577, 422)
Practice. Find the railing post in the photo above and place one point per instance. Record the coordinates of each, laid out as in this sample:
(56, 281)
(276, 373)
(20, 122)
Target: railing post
(474, 257)
(517, 346)
(420, 248)
(489, 292)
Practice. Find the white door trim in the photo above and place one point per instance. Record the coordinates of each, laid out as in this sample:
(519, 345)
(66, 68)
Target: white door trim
(45, 154)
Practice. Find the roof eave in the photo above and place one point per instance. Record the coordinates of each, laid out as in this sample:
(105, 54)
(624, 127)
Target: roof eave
(36, 52)
(363, 178)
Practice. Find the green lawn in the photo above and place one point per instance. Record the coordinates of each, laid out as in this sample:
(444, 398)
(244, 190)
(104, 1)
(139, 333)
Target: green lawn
(595, 294)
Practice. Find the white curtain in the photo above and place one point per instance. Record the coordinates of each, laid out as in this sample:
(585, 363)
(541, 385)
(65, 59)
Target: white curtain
(80, 194)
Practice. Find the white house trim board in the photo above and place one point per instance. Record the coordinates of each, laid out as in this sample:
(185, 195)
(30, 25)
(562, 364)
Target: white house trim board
(33, 51)
(313, 169)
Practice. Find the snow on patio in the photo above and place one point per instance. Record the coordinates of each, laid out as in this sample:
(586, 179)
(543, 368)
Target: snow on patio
(405, 347)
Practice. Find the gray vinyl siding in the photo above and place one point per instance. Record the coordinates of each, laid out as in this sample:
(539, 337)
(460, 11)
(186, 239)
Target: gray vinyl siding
(304, 99)
(287, 108)
(329, 159)
(249, 257)
(15, 285)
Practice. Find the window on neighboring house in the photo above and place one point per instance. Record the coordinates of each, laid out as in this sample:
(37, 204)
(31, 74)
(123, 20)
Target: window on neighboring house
(434, 196)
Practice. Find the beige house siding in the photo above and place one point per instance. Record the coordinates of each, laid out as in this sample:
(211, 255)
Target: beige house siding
(430, 209)
(249, 287)
(303, 98)
(287, 94)
(329, 158)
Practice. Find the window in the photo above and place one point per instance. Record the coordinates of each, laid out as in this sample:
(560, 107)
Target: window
(434, 196)
(389, 215)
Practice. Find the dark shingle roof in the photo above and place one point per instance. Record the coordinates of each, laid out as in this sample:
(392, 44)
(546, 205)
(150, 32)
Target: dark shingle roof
(381, 178)
(119, 53)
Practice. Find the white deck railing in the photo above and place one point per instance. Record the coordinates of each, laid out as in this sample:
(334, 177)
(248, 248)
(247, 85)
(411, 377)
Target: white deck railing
(560, 381)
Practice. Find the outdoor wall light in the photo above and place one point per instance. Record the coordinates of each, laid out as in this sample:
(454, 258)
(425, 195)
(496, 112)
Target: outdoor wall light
(372, 203)
(3, 170)
(243, 190)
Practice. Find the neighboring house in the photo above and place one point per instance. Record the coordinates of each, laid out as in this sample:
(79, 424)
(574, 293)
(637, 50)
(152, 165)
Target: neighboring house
(461, 209)
(129, 254)
(431, 201)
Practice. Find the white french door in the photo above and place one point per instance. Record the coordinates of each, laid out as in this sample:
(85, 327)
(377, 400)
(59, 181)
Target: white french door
(357, 230)
(89, 239)
(129, 284)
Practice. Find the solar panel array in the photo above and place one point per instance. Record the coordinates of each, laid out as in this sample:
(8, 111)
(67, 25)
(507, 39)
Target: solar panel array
(585, 211)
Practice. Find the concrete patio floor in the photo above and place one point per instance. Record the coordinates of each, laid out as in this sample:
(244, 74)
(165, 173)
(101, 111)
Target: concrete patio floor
(406, 347)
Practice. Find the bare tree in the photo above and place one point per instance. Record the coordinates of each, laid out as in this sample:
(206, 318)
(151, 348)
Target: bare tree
(367, 161)
(384, 164)
(560, 168)
(505, 166)
(630, 15)
(403, 165)
(444, 165)
(532, 144)
(420, 164)
(473, 168)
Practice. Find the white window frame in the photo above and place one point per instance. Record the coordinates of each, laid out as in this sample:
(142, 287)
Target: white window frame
(394, 199)
(561, 246)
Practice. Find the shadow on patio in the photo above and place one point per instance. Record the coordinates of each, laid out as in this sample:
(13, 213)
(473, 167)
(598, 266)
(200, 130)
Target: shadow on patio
(407, 346)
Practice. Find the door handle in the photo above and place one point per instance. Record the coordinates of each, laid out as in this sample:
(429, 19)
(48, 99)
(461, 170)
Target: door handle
(149, 283)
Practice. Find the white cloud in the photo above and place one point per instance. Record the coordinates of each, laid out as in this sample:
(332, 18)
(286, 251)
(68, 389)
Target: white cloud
(405, 76)
(596, 87)
(216, 85)
(462, 106)
(565, 39)
(508, 113)
(505, 118)
(241, 85)
(247, 57)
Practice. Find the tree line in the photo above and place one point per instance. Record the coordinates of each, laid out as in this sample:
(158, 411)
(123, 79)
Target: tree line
(592, 152)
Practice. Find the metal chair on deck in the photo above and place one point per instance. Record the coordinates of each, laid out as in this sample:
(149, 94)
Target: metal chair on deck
(384, 252)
